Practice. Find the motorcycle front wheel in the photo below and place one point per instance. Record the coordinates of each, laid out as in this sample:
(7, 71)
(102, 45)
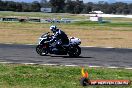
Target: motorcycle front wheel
(41, 50)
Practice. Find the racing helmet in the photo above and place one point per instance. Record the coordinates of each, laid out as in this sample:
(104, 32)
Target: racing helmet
(53, 28)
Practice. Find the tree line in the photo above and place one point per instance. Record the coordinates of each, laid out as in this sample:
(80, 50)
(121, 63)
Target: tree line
(67, 6)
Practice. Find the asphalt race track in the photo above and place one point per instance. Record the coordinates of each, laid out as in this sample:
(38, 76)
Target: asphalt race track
(91, 56)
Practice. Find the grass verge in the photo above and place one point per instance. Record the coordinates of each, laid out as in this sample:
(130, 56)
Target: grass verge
(37, 76)
(41, 15)
(108, 24)
(93, 35)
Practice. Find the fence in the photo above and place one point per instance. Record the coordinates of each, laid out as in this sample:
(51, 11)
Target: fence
(38, 20)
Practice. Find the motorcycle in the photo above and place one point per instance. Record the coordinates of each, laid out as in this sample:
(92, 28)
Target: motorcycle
(44, 47)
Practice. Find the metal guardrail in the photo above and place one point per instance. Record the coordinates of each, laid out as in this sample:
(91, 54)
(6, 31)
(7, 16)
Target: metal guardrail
(39, 20)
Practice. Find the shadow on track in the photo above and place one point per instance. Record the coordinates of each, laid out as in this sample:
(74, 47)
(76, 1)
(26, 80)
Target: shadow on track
(70, 57)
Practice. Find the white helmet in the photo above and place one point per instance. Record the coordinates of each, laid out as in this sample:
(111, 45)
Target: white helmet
(53, 28)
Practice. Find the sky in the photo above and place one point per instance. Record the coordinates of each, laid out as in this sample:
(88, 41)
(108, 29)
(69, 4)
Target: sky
(85, 1)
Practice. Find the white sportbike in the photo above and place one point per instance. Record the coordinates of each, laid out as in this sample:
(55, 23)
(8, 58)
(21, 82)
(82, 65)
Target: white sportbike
(72, 49)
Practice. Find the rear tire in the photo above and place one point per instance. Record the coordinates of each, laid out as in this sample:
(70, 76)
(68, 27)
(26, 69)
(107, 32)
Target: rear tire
(74, 51)
(41, 50)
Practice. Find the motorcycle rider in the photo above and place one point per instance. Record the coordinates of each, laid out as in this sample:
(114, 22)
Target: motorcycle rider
(59, 37)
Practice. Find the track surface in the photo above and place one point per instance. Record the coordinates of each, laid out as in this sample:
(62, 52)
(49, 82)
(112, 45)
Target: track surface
(90, 56)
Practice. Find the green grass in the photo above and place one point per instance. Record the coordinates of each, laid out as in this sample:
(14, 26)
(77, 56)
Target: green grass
(114, 22)
(41, 15)
(118, 19)
(107, 24)
(37, 76)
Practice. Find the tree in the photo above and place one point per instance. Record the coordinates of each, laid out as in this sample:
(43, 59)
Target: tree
(87, 7)
(1, 5)
(69, 8)
(119, 7)
(35, 6)
(57, 5)
(78, 8)
(18, 7)
(10, 6)
(44, 3)
(26, 7)
(74, 7)
(129, 7)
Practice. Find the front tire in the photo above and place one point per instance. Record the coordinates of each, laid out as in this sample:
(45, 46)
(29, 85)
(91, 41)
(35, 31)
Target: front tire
(42, 51)
(74, 51)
